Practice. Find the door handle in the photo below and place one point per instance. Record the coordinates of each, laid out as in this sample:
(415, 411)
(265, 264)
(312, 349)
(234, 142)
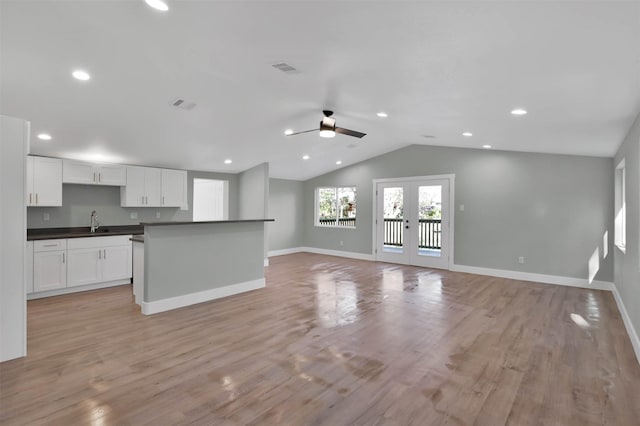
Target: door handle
(63, 257)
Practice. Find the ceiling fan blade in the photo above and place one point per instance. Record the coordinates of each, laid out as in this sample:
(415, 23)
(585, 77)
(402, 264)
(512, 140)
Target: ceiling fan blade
(304, 131)
(348, 132)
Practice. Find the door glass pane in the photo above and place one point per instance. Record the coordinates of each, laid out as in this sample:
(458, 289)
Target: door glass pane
(430, 220)
(393, 210)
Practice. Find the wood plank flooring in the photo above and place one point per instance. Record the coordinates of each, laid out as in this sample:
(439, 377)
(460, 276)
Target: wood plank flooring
(331, 341)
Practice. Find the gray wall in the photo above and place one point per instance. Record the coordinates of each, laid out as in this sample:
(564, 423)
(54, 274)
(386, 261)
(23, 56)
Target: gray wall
(286, 206)
(551, 209)
(627, 265)
(253, 197)
(185, 259)
(253, 190)
(79, 200)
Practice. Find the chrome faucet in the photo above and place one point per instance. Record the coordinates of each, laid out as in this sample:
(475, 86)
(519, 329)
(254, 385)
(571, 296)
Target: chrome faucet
(94, 221)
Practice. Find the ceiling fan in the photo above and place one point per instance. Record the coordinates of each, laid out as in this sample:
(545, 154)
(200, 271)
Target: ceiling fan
(328, 128)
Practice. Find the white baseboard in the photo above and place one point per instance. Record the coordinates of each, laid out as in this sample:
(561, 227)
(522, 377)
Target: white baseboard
(78, 289)
(283, 252)
(631, 331)
(538, 278)
(348, 254)
(163, 305)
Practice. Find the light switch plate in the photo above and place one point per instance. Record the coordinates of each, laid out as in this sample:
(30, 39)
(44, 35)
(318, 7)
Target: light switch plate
(157, 215)
(133, 215)
(46, 217)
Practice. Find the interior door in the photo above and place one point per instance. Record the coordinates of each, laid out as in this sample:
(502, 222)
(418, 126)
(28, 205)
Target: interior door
(413, 222)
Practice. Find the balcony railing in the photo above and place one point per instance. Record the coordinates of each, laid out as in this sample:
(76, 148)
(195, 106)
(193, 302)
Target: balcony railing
(342, 222)
(429, 233)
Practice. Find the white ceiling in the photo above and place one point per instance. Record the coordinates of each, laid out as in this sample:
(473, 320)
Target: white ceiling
(437, 68)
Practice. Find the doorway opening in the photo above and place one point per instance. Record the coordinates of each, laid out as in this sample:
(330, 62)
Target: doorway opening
(210, 199)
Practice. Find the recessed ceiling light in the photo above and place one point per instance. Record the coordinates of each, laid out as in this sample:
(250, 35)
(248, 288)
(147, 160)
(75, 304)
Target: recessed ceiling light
(228, 161)
(81, 75)
(467, 134)
(305, 157)
(44, 137)
(486, 146)
(519, 111)
(338, 162)
(382, 114)
(288, 132)
(157, 4)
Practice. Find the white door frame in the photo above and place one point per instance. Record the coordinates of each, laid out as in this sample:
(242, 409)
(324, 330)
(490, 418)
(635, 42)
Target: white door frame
(452, 210)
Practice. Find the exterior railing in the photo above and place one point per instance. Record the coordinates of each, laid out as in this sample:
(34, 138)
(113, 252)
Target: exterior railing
(342, 222)
(429, 233)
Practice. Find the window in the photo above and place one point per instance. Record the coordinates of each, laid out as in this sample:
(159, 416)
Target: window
(336, 207)
(620, 225)
(210, 199)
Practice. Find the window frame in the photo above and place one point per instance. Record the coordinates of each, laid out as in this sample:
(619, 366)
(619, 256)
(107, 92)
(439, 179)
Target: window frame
(620, 205)
(316, 210)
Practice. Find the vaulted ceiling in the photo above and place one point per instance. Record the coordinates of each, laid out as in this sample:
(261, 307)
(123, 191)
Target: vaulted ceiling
(438, 69)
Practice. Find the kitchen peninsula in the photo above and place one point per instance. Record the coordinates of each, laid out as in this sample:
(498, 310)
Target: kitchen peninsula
(185, 263)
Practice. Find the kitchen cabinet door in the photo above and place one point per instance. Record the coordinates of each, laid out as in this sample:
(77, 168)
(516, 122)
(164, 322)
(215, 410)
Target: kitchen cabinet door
(116, 263)
(44, 182)
(133, 193)
(174, 188)
(49, 270)
(111, 174)
(77, 172)
(84, 266)
(153, 184)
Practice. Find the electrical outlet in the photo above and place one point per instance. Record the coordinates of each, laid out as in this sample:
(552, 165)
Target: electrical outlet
(133, 215)
(521, 259)
(46, 217)
(157, 215)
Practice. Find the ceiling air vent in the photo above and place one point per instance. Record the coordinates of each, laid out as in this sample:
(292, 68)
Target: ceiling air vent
(284, 67)
(183, 104)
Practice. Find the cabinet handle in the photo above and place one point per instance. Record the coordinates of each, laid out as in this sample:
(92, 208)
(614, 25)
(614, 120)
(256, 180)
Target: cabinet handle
(146, 199)
(99, 254)
(105, 254)
(50, 245)
(30, 198)
(62, 257)
(36, 198)
(163, 200)
(94, 176)
(99, 177)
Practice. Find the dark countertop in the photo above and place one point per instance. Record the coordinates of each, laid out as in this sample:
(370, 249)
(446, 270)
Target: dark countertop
(82, 232)
(210, 221)
(137, 238)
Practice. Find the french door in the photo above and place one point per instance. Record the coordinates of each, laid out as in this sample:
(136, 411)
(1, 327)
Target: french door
(413, 222)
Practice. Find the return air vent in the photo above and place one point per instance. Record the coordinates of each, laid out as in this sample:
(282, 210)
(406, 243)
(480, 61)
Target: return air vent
(183, 104)
(284, 67)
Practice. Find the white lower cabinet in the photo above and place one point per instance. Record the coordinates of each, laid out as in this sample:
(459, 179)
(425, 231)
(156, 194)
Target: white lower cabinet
(84, 267)
(98, 259)
(74, 262)
(49, 265)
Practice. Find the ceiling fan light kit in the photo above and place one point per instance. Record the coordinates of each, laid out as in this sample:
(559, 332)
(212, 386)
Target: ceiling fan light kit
(328, 128)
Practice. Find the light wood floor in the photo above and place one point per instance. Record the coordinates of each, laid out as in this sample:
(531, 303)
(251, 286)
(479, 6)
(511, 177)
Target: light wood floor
(335, 342)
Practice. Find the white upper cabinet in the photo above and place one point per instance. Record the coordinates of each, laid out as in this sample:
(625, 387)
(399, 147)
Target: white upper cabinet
(44, 182)
(174, 188)
(142, 188)
(93, 174)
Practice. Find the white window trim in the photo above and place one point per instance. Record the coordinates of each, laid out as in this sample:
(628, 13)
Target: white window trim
(620, 196)
(316, 219)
